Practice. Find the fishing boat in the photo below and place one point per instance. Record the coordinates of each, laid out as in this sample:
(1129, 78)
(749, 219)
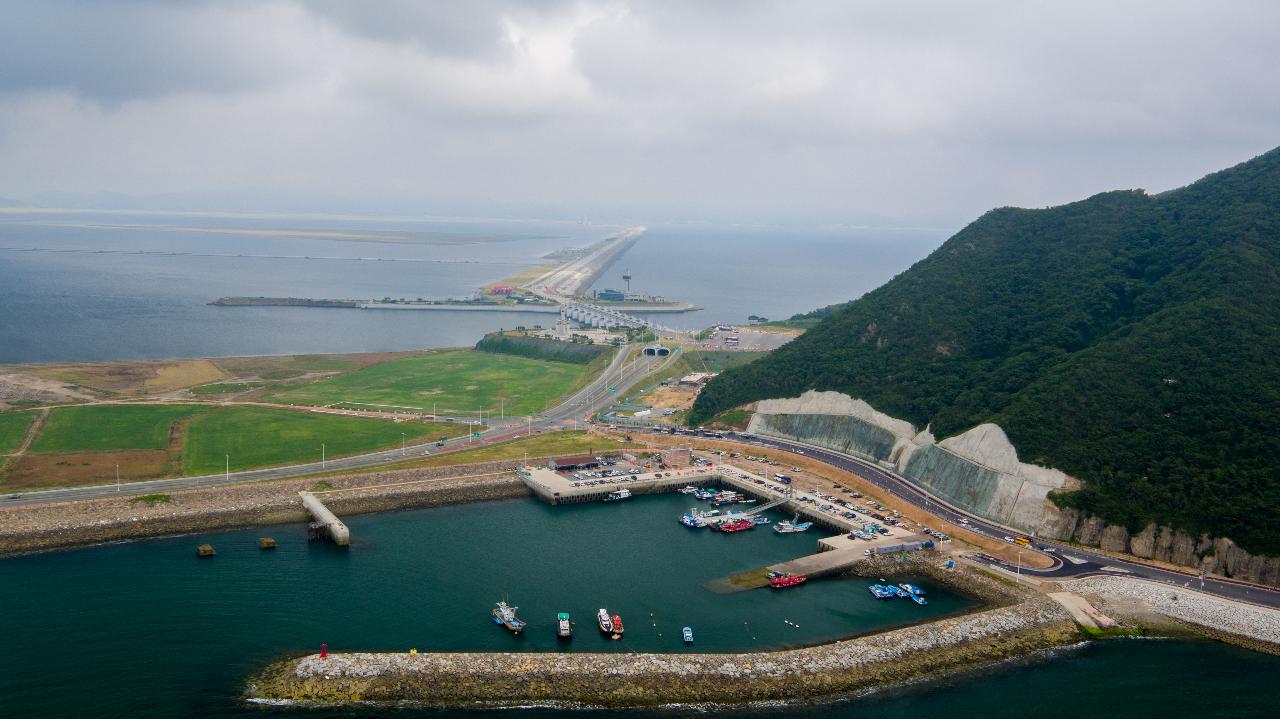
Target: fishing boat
(688, 489)
(692, 521)
(785, 580)
(687, 634)
(706, 493)
(604, 621)
(618, 495)
(505, 615)
(735, 525)
(792, 526)
(879, 591)
(564, 626)
(757, 519)
(913, 589)
(918, 599)
(617, 627)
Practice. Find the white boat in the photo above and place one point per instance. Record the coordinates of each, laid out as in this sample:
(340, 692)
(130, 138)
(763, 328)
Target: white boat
(690, 489)
(618, 495)
(792, 526)
(687, 633)
(604, 621)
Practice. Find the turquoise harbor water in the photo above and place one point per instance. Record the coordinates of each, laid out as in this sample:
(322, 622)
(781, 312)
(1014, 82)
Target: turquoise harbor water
(145, 629)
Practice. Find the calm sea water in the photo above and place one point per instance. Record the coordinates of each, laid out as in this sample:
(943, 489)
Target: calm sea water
(145, 629)
(74, 289)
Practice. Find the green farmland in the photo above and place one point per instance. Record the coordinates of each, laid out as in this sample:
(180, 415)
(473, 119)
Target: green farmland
(454, 381)
(263, 437)
(107, 427)
(13, 427)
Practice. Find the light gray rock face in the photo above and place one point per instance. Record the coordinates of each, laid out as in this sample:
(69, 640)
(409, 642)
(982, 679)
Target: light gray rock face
(977, 470)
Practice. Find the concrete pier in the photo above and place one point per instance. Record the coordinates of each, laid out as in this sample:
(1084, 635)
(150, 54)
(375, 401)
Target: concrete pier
(338, 531)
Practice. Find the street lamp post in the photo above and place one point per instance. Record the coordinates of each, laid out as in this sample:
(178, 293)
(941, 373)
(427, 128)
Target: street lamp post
(402, 444)
(117, 478)
(322, 455)
(228, 474)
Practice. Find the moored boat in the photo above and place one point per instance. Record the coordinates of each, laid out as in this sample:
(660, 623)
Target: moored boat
(564, 626)
(687, 635)
(757, 519)
(617, 626)
(879, 591)
(735, 525)
(784, 580)
(618, 495)
(604, 621)
(505, 615)
(791, 526)
(917, 591)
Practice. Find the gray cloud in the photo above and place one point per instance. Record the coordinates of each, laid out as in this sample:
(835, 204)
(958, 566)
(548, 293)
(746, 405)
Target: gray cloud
(813, 111)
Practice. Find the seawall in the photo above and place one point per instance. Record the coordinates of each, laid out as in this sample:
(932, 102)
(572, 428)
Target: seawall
(636, 680)
(70, 524)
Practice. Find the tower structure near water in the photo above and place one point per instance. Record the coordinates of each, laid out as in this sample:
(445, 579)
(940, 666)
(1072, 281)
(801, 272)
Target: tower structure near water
(626, 277)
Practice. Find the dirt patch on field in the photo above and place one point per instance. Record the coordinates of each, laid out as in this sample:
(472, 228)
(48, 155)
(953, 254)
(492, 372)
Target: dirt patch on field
(670, 397)
(33, 471)
(20, 388)
(132, 378)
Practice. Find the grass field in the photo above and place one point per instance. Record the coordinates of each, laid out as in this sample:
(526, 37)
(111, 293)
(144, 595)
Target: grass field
(456, 381)
(74, 469)
(13, 427)
(539, 445)
(110, 427)
(264, 437)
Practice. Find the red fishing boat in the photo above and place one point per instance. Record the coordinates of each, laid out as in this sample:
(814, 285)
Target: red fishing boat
(736, 525)
(617, 626)
(784, 581)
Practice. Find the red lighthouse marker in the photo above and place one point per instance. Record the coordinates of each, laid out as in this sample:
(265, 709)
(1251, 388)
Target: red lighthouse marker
(324, 651)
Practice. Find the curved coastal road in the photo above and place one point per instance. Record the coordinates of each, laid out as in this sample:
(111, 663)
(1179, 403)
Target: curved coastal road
(574, 410)
(1078, 562)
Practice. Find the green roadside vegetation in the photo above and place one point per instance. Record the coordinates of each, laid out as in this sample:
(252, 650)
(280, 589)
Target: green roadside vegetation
(539, 445)
(732, 419)
(521, 345)
(265, 437)
(453, 381)
(151, 500)
(107, 427)
(13, 428)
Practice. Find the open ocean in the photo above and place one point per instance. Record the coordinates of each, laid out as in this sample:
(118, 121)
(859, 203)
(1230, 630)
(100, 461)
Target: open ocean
(87, 286)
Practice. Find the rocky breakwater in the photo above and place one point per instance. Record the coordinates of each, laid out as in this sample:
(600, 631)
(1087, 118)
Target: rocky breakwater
(68, 524)
(1134, 600)
(637, 680)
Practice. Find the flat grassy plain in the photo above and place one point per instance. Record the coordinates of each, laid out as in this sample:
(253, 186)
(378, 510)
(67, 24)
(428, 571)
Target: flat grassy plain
(264, 437)
(539, 445)
(457, 381)
(13, 427)
(110, 427)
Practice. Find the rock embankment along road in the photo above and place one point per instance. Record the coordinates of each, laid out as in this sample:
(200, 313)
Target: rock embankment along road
(70, 524)
(1032, 622)
(1259, 626)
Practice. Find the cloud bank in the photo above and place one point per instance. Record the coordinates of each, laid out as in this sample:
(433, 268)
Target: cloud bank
(743, 111)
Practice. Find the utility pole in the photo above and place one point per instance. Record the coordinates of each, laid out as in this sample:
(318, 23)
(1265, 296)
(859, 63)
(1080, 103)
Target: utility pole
(117, 478)
(322, 455)
(402, 444)
(228, 475)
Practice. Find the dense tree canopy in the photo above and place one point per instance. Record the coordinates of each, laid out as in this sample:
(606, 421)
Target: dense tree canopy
(1128, 339)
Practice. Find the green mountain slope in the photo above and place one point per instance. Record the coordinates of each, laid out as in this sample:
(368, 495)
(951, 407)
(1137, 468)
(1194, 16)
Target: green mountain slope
(1132, 341)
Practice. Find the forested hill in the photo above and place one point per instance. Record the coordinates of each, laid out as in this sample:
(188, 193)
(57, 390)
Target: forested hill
(1130, 340)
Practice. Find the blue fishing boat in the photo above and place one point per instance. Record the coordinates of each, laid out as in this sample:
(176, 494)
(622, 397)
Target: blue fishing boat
(913, 589)
(919, 599)
(880, 591)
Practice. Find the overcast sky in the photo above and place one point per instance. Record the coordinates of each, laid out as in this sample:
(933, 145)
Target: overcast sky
(804, 112)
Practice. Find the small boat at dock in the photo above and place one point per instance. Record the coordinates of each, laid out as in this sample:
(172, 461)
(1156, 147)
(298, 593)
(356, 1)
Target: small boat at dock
(735, 525)
(786, 580)
(687, 635)
(564, 626)
(618, 495)
(792, 526)
(617, 626)
(690, 489)
(505, 615)
(604, 621)
(913, 589)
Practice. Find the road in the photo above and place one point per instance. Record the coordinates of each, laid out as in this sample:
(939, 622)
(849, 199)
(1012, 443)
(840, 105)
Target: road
(1069, 561)
(573, 411)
